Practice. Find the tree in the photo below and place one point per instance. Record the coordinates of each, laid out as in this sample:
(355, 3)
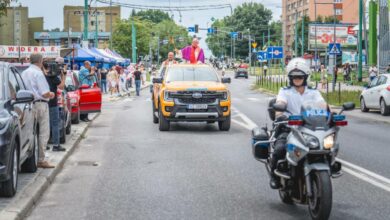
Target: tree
(331, 19)
(3, 6)
(305, 34)
(147, 33)
(249, 17)
(122, 36)
(154, 16)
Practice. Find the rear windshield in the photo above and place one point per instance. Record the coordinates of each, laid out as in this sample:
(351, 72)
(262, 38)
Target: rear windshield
(191, 74)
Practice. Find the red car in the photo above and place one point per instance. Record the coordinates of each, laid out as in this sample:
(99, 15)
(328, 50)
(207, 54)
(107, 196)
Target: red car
(83, 99)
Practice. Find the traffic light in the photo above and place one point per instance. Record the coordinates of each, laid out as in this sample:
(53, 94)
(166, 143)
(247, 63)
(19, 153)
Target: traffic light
(239, 35)
(215, 30)
(196, 28)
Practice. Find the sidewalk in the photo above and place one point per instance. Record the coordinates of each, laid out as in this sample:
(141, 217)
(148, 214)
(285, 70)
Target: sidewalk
(32, 185)
(108, 97)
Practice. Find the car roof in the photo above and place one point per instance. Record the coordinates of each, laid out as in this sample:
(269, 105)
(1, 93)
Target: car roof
(189, 65)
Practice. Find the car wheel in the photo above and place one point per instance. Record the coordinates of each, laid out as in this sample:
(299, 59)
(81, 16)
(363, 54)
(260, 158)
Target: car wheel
(155, 118)
(9, 187)
(363, 107)
(31, 164)
(246, 77)
(164, 124)
(385, 110)
(63, 136)
(77, 119)
(68, 129)
(224, 125)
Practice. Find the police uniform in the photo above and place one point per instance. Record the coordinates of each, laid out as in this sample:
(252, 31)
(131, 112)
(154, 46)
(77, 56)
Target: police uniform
(295, 100)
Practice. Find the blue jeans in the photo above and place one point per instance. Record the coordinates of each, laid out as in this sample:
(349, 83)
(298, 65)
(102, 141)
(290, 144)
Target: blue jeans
(55, 125)
(137, 86)
(104, 86)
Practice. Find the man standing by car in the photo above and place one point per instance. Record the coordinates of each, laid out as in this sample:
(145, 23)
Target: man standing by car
(55, 83)
(36, 82)
(85, 77)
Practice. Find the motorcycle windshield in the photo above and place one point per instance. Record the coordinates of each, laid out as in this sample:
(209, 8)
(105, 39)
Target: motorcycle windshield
(315, 114)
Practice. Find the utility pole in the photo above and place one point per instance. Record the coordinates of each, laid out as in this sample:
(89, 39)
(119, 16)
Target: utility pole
(133, 42)
(249, 52)
(360, 63)
(296, 33)
(110, 24)
(315, 30)
(334, 55)
(96, 28)
(268, 44)
(158, 49)
(303, 36)
(372, 35)
(85, 35)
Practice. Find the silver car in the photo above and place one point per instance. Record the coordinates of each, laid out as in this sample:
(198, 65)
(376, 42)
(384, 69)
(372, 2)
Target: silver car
(377, 95)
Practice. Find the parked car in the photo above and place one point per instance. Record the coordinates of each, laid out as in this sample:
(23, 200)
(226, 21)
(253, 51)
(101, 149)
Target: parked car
(18, 130)
(377, 95)
(64, 106)
(241, 72)
(71, 83)
(90, 97)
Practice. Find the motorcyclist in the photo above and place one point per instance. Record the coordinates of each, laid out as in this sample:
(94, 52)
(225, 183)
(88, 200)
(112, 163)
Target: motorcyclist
(294, 95)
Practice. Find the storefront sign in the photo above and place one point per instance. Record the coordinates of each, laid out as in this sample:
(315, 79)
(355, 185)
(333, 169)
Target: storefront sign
(26, 51)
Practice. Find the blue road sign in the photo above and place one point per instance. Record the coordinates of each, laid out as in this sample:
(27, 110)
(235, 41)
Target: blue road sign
(334, 49)
(210, 30)
(233, 34)
(191, 29)
(275, 52)
(262, 56)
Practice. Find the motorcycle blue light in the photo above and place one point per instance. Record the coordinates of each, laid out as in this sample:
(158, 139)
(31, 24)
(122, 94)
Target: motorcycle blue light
(295, 118)
(290, 147)
(338, 118)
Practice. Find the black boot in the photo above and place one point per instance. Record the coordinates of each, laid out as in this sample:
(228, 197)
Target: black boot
(274, 182)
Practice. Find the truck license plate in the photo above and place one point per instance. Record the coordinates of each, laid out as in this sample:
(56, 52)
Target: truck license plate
(197, 106)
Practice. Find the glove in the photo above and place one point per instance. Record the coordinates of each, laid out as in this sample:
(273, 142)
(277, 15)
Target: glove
(281, 118)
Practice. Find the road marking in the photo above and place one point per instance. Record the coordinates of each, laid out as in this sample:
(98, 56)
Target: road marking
(253, 99)
(355, 170)
(368, 179)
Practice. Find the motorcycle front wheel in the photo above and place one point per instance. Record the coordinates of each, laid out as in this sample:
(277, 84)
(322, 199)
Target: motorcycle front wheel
(320, 203)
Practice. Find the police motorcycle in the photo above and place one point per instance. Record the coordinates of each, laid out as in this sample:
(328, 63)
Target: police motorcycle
(312, 147)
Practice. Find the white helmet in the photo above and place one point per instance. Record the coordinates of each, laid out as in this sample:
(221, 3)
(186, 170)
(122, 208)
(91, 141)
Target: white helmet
(298, 67)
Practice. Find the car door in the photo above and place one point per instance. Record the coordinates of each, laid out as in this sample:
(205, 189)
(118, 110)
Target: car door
(157, 86)
(90, 98)
(381, 86)
(369, 94)
(24, 111)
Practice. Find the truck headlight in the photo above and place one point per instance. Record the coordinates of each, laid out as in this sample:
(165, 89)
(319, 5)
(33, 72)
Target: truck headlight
(225, 96)
(167, 96)
(311, 141)
(329, 142)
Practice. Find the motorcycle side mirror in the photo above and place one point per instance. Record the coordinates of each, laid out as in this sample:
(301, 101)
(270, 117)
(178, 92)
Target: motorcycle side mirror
(280, 107)
(348, 106)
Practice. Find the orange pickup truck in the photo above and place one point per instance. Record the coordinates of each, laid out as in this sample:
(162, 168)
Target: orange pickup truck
(185, 92)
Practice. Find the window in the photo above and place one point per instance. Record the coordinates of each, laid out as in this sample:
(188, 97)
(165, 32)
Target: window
(191, 74)
(338, 1)
(13, 85)
(339, 11)
(382, 80)
(19, 79)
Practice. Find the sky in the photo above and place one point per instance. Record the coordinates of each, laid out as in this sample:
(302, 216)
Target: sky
(52, 11)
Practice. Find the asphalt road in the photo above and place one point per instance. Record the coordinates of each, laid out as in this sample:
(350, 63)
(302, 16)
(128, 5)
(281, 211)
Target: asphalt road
(126, 169)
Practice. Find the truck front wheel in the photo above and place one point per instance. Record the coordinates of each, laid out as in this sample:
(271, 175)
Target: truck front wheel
(225, 125)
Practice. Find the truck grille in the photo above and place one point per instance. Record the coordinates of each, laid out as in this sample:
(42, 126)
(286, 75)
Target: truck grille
(208, 97)
(197, 101)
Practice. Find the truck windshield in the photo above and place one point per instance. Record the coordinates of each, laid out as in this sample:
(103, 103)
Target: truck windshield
(191, 74)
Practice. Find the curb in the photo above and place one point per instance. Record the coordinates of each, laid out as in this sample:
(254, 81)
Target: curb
(32, 192)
